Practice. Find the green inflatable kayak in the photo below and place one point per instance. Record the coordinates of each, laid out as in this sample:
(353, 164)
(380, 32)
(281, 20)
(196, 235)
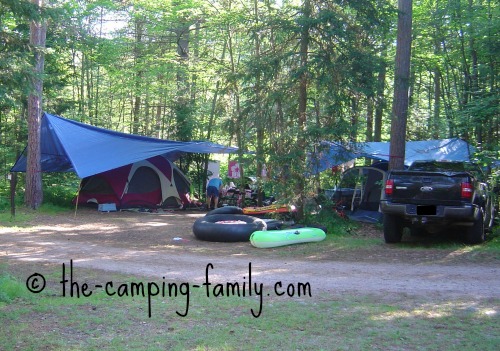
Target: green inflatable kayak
(273, 238)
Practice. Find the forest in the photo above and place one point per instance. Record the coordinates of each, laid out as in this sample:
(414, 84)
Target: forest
(275, 77)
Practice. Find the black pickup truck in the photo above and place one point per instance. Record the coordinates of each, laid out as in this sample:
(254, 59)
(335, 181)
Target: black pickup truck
(431, 196)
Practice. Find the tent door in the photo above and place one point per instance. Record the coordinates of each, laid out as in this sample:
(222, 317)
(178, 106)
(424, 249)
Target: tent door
(144, 187)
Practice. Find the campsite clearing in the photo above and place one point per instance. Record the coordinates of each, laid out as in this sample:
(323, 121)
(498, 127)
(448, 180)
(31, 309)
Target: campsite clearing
(162, 244)
(365, 295)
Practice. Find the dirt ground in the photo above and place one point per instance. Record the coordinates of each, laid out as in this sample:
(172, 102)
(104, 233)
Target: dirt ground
(162, 246)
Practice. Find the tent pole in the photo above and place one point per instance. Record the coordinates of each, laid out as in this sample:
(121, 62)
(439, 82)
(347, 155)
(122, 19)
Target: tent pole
(77, 197)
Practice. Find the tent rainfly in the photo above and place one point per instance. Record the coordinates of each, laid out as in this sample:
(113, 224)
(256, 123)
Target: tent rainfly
(67, 146)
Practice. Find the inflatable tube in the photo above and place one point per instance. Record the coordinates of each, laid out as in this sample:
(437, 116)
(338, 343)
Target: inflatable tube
(227, 227)
(275, 238)
(226, 210)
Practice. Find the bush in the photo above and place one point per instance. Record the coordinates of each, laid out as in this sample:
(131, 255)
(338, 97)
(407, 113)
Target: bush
(60, 189)
(328, 217)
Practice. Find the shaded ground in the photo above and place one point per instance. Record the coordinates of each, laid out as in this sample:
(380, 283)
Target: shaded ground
(162, 245)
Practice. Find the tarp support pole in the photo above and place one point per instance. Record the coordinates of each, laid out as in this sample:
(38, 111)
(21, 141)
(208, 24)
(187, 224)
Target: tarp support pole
(77, 197)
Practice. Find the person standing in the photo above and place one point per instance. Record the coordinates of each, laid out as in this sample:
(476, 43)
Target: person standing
(214, 188)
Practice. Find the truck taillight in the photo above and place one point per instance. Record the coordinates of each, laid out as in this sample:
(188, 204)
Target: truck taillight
(467, 190)
(389, 186)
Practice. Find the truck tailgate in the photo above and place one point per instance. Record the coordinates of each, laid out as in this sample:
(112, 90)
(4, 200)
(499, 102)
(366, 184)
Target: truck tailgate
(428, 187)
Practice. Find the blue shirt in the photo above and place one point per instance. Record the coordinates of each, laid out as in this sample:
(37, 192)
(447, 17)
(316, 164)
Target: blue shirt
(215, 182)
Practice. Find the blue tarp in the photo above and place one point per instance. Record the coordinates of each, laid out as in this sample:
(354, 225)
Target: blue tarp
(67, 145)
(330, 154)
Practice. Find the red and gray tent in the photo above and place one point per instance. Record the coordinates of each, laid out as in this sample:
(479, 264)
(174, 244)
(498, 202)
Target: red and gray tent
(70, 146)
(155, 182)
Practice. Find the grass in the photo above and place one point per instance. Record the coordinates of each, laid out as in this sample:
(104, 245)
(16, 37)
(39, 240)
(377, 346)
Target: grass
(48, 321)
(23, 214)
(20, 218)
(350, 236)
(491, 247)
(10, 289)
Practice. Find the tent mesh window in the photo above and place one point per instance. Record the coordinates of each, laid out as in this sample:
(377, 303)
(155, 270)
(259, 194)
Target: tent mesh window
(144, 180)
(96, 185)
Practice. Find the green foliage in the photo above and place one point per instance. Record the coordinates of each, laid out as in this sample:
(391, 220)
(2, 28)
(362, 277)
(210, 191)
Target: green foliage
(488, 160)
(60, 189)
(5, 196)
(237, 79)
(330, 218)
(10, 288)
(20, 218)
(492, 241)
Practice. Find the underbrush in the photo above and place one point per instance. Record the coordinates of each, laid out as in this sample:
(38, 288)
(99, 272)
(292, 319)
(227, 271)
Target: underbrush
(333, 222)
(59, 190)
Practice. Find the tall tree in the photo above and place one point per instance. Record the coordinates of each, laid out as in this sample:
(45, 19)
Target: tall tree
(259, 118)
(380, 105)
(302, 112)
(401, 85)
(34, 194)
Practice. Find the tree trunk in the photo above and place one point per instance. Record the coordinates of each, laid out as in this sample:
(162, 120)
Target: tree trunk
(183, 112)
(354, 118)
(380, 103)
(81, 100)
(139, 76)
(474, 71)
(259, 120)
(211, 120)
(240, 129)
(34, 195)
(437, 102)
(369, 119)
(401, 86)
(302, 116)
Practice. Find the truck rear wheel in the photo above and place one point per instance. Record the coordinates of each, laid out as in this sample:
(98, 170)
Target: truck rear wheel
(476, 233)
(393, 229)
